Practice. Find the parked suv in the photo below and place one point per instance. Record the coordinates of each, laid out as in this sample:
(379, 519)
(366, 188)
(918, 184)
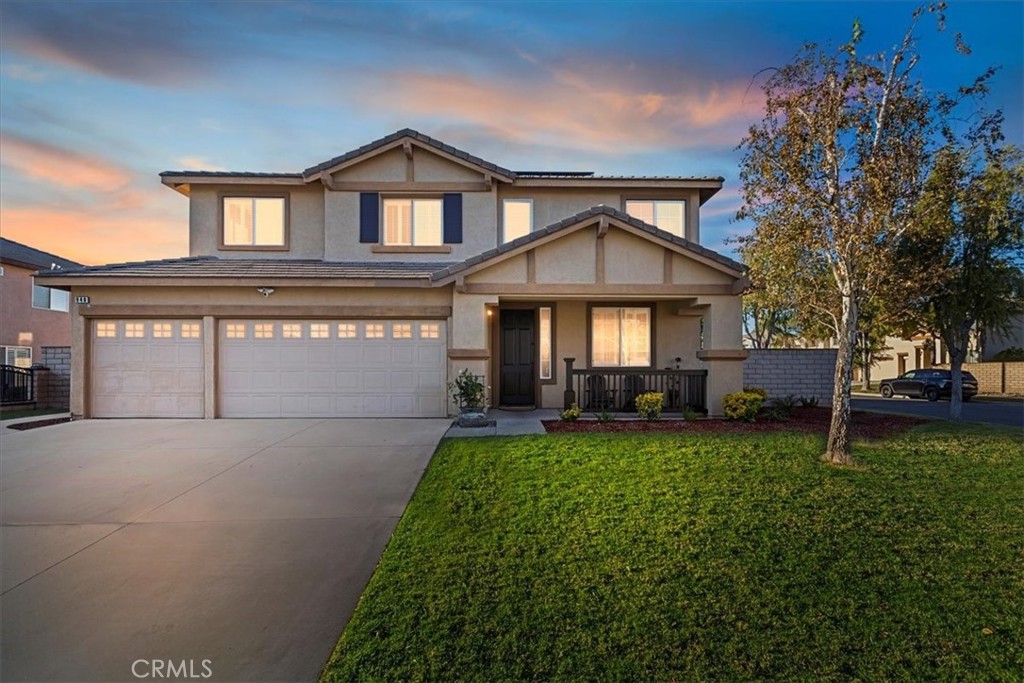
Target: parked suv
(929, 384)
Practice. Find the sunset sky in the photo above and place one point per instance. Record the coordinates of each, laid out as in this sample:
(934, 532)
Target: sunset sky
(97, 98)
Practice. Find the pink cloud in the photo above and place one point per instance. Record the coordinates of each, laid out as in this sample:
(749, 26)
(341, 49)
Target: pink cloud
(41, 161)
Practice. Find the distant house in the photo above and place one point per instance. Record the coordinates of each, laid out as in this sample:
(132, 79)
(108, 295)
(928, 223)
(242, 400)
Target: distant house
(994, 343)
(32, 316)
(363, 285)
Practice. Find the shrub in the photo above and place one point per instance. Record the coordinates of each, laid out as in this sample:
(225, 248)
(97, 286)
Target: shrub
(604, 416)
(779, 409)
(763, 393)
(649, 405)
(571, 414)
(691, 414)
(467, 390)
(742, 405)
(808, 401)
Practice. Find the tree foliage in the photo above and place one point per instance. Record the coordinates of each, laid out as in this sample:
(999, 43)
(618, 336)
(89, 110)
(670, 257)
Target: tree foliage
(831, 176)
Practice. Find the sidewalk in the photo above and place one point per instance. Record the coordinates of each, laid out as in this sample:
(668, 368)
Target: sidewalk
(508, 423)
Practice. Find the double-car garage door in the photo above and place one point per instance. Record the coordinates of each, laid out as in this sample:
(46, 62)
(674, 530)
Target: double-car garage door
(271, 368)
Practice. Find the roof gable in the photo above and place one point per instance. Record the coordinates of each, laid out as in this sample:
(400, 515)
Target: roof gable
(19, 254)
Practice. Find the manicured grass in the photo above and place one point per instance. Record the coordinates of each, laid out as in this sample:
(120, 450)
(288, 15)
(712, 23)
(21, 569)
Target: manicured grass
(704, 557)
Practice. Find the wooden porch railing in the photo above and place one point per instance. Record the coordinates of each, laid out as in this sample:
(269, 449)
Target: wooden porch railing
(16, 385)
(616, 389)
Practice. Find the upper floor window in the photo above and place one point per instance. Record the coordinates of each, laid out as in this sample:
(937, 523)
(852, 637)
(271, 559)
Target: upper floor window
(49, 299)
(412, 222)
(517, 218)
(668, 215)
(254, 222)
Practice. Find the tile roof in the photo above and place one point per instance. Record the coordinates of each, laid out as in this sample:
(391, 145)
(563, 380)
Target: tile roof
(590, 175)
(24, 255)
(416, 135)
(213, 267)
(228, 174)
(576, 220)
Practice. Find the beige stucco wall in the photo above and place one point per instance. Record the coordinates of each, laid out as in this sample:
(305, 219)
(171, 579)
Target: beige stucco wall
(688, 271)
(628, 260)
(568, 260)
(306, 220)
(509, 271)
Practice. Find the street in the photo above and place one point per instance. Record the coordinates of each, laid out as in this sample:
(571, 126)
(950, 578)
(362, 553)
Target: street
(1006, 413)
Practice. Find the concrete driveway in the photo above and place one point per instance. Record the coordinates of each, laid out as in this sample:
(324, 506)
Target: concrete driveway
(245, 543)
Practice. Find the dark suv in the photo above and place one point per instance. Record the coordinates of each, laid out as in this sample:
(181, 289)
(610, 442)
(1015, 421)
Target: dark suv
(930, 384)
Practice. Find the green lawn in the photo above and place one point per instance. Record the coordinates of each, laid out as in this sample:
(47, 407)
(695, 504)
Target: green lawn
(663, 557)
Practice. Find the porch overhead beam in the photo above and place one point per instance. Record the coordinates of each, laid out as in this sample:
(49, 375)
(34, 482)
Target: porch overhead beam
(667, 266)
(327, 180)
(592, 289)
(602, 227)
(410, 167)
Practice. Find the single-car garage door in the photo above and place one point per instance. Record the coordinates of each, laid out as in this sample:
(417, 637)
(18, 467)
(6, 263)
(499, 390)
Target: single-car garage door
(331, 368)
(146, 368)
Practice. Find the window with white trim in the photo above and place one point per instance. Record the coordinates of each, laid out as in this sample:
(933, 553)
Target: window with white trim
(135, 330)
(346, 330)
(162, 330)
(235, 331)
(50, 299)
(319, 331)
(263, 330)
(544, 333)
(430, 330)
(374, 330)
(401, 331)
(291, 331)
(18, 356)
(516, 219)
(620, 337)
(668, 215)
(254, 221)
(412, 222)
(190, 330)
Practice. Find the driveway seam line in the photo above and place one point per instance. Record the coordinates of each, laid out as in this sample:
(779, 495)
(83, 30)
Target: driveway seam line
(154, 509)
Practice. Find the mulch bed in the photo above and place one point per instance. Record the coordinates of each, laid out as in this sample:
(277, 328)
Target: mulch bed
(22, 426)
(810, 420)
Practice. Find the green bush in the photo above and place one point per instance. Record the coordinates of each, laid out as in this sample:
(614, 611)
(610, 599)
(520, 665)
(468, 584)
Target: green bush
(763, 393)
(742, 405)
(468, 390)
(649, 405)
(808, 401)
(604, 416)
(690, 414)
(571, 414)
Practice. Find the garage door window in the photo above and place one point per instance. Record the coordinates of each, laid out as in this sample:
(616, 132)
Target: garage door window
(135, 330)
(401, 331)
(263, 330)
(346, 330)
(374, 330)
(430, 330)
(162, 330)
(236, 331)
(190, 330)
(106, 329)
(319, 331)
(291, 331)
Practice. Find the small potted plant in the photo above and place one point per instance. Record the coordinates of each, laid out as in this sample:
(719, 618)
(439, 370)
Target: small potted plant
(468, 391)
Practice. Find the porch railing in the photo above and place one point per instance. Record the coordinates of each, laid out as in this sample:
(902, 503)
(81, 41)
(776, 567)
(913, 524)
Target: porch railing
(616, 389)
(16, 385)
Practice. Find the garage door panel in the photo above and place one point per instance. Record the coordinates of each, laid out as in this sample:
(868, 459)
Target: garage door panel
(332, 369)
(144, 375)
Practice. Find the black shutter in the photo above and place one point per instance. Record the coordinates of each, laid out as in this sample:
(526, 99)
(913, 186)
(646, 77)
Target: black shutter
(453, 218)
(369, 217)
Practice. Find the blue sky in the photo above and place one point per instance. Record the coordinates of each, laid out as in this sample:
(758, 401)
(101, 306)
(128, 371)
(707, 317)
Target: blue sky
(97, 98)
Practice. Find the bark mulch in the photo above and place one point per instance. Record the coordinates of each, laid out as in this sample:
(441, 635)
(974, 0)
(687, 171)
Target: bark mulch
(22, 426)
(810, 420)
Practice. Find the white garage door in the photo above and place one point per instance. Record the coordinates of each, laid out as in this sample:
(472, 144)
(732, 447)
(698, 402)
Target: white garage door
(147, 368)
(332, 368)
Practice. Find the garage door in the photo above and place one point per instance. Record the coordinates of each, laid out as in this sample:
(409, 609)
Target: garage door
(332, 368)
(147, 368)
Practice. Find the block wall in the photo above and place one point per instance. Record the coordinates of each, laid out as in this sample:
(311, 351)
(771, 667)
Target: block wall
(796, 372)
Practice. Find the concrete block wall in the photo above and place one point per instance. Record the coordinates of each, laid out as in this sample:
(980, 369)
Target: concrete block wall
(53, 385)
(996, 377)
(797, 372)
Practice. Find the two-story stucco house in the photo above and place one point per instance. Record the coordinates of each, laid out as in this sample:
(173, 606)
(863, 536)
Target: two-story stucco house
(363, 285)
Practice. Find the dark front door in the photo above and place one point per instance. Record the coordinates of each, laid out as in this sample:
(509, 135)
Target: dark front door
(516, 358)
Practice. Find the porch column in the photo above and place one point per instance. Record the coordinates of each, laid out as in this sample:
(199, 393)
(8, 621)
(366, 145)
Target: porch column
(468, 339)
(723, 353)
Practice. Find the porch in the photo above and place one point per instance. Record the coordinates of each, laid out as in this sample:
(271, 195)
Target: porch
(614, 390)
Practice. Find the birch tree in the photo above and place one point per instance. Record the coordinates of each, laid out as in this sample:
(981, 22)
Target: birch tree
(830, 178)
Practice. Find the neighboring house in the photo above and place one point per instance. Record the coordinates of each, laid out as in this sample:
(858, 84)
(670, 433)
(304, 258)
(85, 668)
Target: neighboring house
(31, 316)
(997, 341)
(363, 285)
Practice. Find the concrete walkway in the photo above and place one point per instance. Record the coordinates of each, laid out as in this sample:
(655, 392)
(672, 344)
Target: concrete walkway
(242, 542)
(509, 423)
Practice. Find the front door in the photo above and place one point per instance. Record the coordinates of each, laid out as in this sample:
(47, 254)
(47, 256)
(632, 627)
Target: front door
(517, 355)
